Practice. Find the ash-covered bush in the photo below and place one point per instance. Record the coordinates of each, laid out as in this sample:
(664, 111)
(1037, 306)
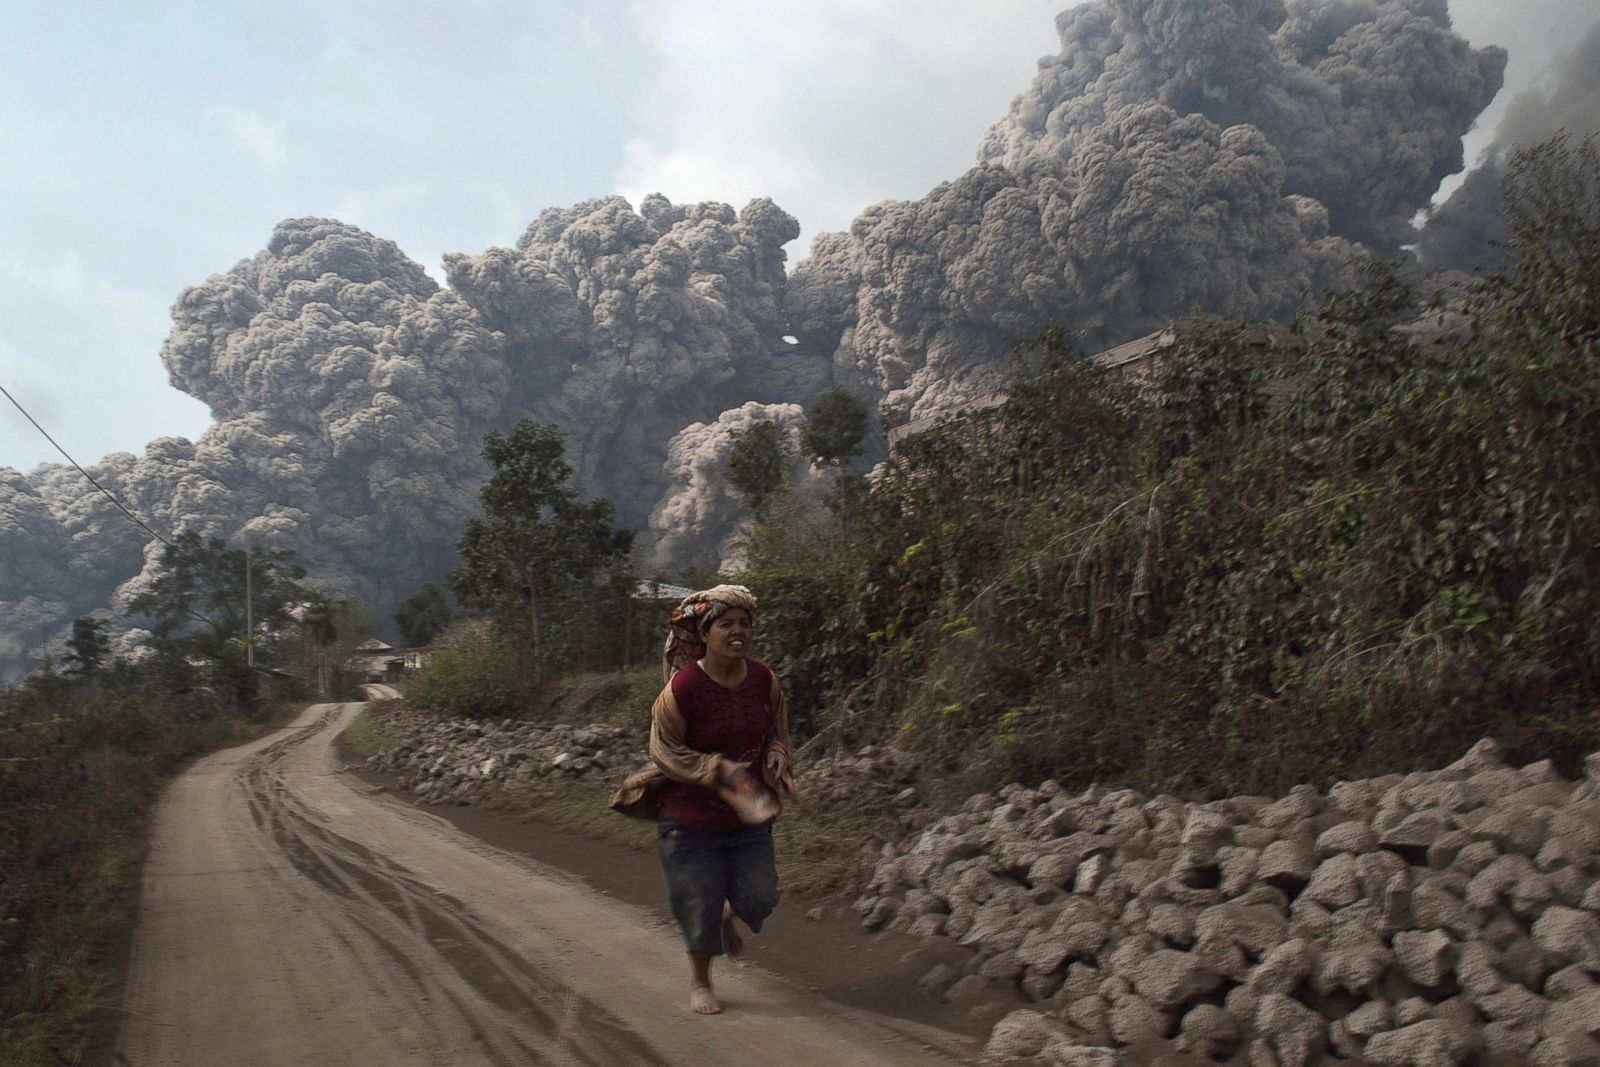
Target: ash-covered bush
(475, 673)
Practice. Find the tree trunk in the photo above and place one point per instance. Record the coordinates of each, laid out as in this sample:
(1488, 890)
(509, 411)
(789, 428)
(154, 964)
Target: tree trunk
(535, 639)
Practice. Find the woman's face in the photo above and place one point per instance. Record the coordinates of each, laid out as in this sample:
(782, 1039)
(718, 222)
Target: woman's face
(730, 635)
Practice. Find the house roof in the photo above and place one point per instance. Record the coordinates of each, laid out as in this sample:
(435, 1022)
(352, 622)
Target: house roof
(1124, 356)
(373, 645)
(648, 590)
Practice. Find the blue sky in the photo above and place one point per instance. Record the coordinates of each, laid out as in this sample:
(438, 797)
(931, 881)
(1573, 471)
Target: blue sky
(144, 147)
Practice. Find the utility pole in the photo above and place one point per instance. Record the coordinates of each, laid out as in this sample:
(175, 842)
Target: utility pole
(249, 615)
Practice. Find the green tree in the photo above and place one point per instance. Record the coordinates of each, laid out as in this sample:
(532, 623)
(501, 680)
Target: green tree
(423, 615)
(756, 464)
(541, 557)
(835, 429)
(87, 647)
(198, 601)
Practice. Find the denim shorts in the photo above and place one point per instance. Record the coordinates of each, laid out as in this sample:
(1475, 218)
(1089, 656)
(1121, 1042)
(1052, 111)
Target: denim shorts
(704, 868)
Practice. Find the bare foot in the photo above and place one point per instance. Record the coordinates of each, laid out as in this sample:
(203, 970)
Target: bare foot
(702, 1001)
(732, 943)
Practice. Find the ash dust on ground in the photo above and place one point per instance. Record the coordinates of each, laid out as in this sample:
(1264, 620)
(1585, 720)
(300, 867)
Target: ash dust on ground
(819, 944)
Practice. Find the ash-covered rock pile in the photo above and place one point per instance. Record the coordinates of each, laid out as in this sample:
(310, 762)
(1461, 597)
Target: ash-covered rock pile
(1444, 917)
(460, 761)
(875, 776)
(457, 761)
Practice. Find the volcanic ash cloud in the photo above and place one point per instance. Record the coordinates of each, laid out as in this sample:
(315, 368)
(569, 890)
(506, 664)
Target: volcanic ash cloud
(1468, 231)
(1365, 100)
(623, 326)
(695, 519)
(350, 395)
(1226, 156)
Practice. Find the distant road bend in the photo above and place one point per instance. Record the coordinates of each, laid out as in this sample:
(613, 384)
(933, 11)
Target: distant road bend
(289, 916)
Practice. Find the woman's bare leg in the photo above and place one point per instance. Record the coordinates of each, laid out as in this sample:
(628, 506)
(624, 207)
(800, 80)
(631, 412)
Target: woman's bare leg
(732, 943)
(702, 999)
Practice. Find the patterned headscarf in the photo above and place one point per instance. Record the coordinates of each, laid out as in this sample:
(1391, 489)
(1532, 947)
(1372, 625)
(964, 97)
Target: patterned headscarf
(686, 638)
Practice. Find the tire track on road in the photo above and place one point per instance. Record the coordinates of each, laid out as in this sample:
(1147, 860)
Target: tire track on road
(289, 918)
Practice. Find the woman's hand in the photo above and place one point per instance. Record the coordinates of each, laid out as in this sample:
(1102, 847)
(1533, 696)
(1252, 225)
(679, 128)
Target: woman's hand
(750, 799)
(730, 773)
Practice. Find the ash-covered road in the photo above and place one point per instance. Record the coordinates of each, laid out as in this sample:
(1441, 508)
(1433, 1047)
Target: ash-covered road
(289, 916)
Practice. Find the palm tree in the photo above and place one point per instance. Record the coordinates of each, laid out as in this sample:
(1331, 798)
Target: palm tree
(317, 625)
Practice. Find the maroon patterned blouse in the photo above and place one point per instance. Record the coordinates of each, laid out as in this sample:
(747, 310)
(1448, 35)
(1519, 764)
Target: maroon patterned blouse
(732, 722)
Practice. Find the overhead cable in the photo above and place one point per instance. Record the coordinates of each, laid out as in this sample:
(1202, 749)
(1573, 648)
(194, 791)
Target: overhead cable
(137, 521)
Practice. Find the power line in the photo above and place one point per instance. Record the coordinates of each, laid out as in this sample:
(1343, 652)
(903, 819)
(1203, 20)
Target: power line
(137, 521)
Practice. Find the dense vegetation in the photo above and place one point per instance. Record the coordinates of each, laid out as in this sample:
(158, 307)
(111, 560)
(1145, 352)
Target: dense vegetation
(86, 742)
(81, 758)
(1353, 545)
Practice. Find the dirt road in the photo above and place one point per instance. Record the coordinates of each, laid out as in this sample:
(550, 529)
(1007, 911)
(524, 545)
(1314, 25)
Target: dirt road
(289, 916)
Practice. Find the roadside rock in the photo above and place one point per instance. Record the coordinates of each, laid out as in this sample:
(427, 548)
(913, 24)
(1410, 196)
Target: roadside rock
(1432, 918)
(1273, 930)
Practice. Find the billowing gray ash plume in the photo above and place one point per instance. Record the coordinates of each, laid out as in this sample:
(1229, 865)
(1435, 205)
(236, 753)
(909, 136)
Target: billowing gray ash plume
(351, 395)
(1468, 231)
(1222, 155)
(624, 326)
(698, 513)
(63, 549)
(1177, 154)
(1365, 100)
(1157, 215)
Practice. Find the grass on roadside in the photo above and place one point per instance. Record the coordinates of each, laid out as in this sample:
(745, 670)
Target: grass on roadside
(580, 809)
(365, 737)
(72, 972)
(84, 761)
(819, 849)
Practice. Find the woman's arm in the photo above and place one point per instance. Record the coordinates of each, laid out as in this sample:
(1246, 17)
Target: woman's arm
(671, 752)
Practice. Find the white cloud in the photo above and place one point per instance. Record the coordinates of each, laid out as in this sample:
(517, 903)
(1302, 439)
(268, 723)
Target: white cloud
(65, 281)
(825, 105)
(82, 350)
(254, 134)
(704, 172)
(63, 278)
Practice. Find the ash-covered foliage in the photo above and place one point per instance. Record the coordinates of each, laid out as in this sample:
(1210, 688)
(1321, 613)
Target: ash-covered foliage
(1285, 555)
(81, 759)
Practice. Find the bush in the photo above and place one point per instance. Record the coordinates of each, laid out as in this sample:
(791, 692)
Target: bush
(482, 681)
(81, 759)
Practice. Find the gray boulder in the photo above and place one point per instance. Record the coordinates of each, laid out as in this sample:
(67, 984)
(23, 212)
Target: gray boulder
(1430, 1043)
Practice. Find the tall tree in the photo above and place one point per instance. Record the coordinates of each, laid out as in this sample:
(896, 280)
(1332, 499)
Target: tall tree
(541, 555)
(198, 601)
(423, 615)
(320, 628)
(835, 429)
(88, 645)
(756, 464)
